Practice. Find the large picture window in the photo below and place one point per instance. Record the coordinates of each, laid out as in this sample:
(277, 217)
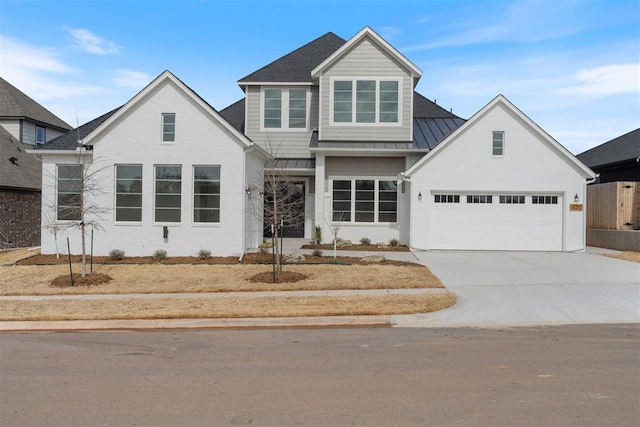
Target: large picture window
(168, 195)
(285, 109)
(69, 192)
(129, 193)
(206, 194)
(365, 201)
(374, 101)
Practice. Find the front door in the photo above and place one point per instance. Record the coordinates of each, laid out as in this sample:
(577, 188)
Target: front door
(292, 211)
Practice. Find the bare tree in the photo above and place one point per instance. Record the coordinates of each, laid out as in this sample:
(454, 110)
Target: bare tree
(282, 200)
(334, 226)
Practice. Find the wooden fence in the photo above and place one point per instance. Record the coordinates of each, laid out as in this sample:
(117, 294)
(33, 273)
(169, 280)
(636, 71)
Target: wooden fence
(614, 206)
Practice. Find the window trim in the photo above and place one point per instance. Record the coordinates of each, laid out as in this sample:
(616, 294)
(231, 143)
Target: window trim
(155, 193)
(193, 197)
(284, 109)
(44, 134)
(58, 192)
(162, 132)
(115, 194)
(493, 146)
(354, 80)
(376, 199)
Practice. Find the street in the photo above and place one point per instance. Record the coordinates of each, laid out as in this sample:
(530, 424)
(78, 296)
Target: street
(583, 375)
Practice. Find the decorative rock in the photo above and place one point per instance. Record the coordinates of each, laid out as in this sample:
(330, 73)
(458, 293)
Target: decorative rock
(341, 243)
(372, 259)
(381, 245)
(293, 258)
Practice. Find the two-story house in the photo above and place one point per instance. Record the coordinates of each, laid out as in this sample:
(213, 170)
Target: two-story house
(341, 119)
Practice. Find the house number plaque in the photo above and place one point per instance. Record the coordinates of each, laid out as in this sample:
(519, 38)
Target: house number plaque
(575, 207)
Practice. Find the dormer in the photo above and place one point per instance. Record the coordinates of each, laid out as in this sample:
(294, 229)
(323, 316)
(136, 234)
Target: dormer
(366, 91)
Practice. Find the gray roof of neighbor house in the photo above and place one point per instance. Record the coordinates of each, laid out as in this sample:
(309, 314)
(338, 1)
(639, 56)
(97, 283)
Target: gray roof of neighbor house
(625, 147)
(15, 104)
(297, 65)
(18, 169)
(69, 141)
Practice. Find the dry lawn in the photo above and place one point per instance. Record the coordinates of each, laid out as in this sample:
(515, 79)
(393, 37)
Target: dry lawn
(228, 307)
(156, 278)
(626, 256)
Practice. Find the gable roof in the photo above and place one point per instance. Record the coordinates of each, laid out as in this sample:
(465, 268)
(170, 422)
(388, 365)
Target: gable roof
(501, 99)
(16, 104)
(366, 32)
(69, 141)
(295, 67)
(624, 147)
(25, 171)
(234, 114)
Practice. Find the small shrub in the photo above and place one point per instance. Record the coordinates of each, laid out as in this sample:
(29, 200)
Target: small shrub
(317, 234)
(317, 252)
(159, 255)
(365, 241)
(204, 254)
(261, 260)
(116, 254)
(393, 242)
(336, 261)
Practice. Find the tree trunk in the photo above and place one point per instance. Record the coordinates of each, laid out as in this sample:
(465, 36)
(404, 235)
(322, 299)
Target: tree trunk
(84, 252)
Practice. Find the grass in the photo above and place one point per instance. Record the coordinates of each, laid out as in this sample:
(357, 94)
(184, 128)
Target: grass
(626, 256)
(228, 307)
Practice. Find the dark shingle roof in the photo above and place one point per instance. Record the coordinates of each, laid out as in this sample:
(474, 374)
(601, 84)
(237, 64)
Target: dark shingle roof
(234, 114)
(297, 65)
(625, 147)
(69, 141)
(25, 171)
(14, 103)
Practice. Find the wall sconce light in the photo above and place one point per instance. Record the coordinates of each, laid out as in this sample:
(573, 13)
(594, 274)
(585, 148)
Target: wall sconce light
(165, 232)
(248, 191)
(419, 195)
(576, 199)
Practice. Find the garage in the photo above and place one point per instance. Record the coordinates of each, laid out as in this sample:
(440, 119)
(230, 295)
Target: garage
(496, 221)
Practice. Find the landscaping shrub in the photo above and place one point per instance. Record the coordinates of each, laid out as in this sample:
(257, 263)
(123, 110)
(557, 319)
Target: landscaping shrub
(393, 242)
(317, 252)
(317, 234)
(116, 254)
(365, 241)
(204, 254)
(159, 255)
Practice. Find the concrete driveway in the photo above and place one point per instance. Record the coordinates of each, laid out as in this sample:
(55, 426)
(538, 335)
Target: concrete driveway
(531, 288)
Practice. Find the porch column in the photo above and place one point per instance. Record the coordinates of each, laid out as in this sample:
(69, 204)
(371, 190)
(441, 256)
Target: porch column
(319, 193)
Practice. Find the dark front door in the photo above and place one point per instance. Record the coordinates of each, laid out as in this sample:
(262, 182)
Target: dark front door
(293, 211)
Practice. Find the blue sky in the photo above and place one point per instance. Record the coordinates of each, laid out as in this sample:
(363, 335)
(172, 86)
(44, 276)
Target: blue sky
(573, 66)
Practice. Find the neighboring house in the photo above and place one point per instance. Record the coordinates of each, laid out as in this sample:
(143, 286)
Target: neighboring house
(25, 119)
(371, 157)
(615, 160)
(20, 199)
(170, 174)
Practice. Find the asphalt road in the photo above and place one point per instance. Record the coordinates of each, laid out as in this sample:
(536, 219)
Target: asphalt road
(583, 375)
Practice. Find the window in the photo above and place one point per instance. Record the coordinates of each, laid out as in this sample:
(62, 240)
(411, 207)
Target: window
(479, 198)
(365, 201)
(69, 192)
(512, 200)
(446, 198)
(206, 194)
(168, 193)
(41, 135)
(375, 101)
(276, 116)
(168, 127)
(544, 200)
(129, 193)
(498, 144)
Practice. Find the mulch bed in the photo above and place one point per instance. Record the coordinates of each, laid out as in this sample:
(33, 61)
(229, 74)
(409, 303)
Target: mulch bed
(360, 248)
(250, 258)
(90, 279)
(281, 277)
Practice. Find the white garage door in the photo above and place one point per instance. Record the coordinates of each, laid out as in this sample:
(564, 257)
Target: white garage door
(517, 221)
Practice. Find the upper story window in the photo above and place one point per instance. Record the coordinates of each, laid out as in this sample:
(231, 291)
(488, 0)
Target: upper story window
(129, 193)
(69, 193)
(168, 127)
(498, 144)
(285, 109)
(372, 101)
(41, 135)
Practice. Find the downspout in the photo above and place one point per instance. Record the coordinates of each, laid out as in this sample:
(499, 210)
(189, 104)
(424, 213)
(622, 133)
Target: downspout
(245, 150)
(404, 179)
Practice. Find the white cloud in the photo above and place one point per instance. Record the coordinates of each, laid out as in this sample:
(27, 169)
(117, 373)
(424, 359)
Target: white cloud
(605, 80)
(389, 32)
(91, 43)
(130, 78)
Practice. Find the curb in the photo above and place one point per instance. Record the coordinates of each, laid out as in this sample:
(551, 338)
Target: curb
(141, 324)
